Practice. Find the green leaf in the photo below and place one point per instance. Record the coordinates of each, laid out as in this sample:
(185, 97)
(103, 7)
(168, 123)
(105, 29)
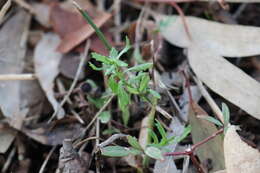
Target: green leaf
(123, 97)
(110, 70)
(95, 67)
(120, 63)
(132, 90)
(115, 151)
(161, 129)
(154, 152)
(186, 132)
(104, 117)
(133, 142)
(141, 67)
(98, 102)
(113, 53)
(113, 85)
(101, 58)
(110, 131)
(134, 151)
(127, 47)
(211, 119)
(153, 136)
(154, 93)
(125, 115)
(226, 114)
(144, 83)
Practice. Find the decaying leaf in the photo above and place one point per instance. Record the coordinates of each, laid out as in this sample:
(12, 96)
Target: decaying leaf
(239, 157)
(225, 79)
(201, 129)
(46, 63)
(222, 171)
(224, 39)
(13, 36)
(54, 133)
(6, 138)
(233, 1)
(42, 14)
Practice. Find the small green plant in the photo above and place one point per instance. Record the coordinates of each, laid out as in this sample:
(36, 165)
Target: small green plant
(154, 150)
(226, 117)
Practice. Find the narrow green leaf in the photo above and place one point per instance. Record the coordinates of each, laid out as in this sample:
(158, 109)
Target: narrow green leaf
(132, 90)
(123, 97)
(104, 117)
(186, 132)
(226, 114)
(154, 153)
(154, 93)
(101, 58)
(211, 119)
(125, 115)
(133, 142)
(120, 63)
(95, 67)
(141, 67)
(115, 151)
(127, 47)
(161, 129)
(110, 70)
(153, 136)
(144, 83)
(113, 85)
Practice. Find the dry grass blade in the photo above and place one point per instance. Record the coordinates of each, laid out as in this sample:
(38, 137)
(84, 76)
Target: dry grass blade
(4, 9)
(17, 77)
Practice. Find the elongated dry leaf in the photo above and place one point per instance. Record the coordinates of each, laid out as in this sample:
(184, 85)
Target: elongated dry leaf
(202, 129)
(225, 39)
(225, 79)
(13, 36)
(46, 63)
(222, 171)
(239, 157)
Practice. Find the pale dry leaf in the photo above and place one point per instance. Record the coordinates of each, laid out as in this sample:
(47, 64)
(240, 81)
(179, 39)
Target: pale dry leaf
(225, 79)
(4, 9)
(46, 63)
(222, 171)
(225, 39)
(233, 1)
(201, 129)
(42, 14)
(13, 36)
(6, 138)
(239, 157)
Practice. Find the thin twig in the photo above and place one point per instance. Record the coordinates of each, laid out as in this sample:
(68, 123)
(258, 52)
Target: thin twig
(9, 160)
(84, 141)
(111, 139)
(210, 100)
(4, 9)
(47, 159)
(17, 77)
(117, 20)
(81, 64)
(98, 113)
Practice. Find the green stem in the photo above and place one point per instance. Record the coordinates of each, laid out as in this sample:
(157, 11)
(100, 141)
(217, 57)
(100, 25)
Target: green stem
(94, 26)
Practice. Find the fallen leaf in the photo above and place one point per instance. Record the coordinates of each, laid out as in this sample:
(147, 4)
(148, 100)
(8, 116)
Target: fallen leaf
(55, 132)
(222, 171)
(225, 79)
(13, 36)
(46, 63)
(224, 39)
(6, 139)
(239, 157)
(233, 1)
(201, 129)
(72, 27)
(69, 66)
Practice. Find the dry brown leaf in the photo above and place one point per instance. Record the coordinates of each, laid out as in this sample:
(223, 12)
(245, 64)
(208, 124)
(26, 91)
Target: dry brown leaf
(225, 39)
(46, 63)
(234, 1)
(239, 157)
(72, 27)
(42, 14)
(225, 79)
(202, 129)
(7, 136)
